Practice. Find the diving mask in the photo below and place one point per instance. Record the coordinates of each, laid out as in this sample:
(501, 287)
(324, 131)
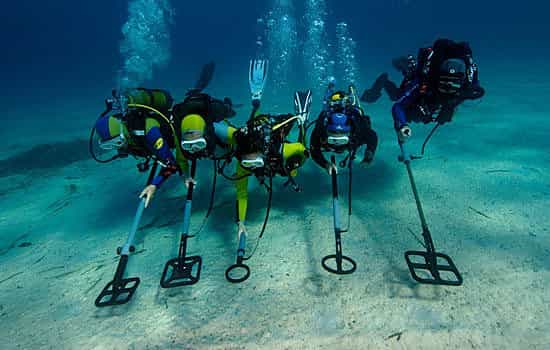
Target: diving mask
(115, 143)
(194, 146)
(338, 140)
(255, 163)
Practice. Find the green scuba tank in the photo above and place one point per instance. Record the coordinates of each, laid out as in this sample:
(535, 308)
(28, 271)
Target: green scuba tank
(158, 99)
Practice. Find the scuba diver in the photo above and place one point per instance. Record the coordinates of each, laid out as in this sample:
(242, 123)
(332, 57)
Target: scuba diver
(263, 150)
(341, 127)
(136, 123)
(200, 122)
(444, 76)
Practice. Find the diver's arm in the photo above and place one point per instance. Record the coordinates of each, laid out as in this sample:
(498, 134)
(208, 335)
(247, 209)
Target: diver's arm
(367, 135)
(224, 133)
(399, 107)
(315, 146)
(160, 147)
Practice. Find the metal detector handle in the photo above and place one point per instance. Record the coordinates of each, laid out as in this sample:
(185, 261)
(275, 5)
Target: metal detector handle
(425, 230)
(130, 240)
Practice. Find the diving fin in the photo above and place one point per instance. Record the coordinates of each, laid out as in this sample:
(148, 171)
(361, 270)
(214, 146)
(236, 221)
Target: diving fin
(205, 77)
(302, 103)
(257, 77)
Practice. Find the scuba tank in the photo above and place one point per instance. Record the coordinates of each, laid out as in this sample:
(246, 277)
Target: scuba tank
(158, 99)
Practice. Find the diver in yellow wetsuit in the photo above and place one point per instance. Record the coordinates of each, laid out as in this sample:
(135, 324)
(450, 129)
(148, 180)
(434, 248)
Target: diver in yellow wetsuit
(136, 123)
(263, 150)
(201, 127)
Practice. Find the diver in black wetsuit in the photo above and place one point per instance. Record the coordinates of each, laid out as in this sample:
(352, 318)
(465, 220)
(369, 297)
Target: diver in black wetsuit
(342, 126)
(440, 79)
(444, 77)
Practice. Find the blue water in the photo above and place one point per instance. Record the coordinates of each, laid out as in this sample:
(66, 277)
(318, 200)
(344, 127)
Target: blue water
(484, 183)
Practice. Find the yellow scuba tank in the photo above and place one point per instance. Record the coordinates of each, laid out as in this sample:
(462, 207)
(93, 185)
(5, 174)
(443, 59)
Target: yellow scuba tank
(155, 98)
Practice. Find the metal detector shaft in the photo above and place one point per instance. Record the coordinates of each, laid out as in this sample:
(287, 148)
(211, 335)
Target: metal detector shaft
(425, 230)
(183, 270)
(187, 212)
(335, 210)
(336, 218)
(189, 201)
(120, 290)
(339, 258)
(420, 262)
(137, 218)
(242, 247)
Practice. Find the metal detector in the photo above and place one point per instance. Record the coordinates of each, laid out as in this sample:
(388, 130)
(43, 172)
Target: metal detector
(339, 258)
(427, 266)
(239, 272)
(183, 270)
(234, 269)
(120, 290)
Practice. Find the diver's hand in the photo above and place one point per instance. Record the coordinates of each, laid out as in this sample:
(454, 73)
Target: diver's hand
(404, 133)
(332, 167)
(367, 159)
(188, 181)
(148, 193)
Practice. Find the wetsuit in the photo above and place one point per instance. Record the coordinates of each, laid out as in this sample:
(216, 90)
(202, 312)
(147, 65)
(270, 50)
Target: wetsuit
(361, 134)
(217, 130)
(145, 138)
(421, 100)
(284, 159)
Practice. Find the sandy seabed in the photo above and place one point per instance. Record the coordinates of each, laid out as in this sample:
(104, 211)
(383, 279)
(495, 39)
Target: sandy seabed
(485, 189)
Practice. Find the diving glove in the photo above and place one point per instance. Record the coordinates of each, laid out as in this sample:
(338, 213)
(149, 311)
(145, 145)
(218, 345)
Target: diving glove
(368, 158)
(302, 103)
(256, 78)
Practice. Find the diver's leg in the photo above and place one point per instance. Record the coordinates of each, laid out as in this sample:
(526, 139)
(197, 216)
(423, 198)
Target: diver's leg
(373, 94)
(393, 91)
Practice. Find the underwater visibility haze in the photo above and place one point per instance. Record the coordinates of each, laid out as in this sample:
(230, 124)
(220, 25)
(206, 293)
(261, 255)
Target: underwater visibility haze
(274, 174)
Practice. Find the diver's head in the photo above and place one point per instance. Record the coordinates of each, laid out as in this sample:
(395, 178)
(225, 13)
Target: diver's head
(294, 155)
(251, 146)
(338, 129)
(338, 101)
(452, 76)
(252, 161)
(249, 151)
(112, 132)
(193, 138)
